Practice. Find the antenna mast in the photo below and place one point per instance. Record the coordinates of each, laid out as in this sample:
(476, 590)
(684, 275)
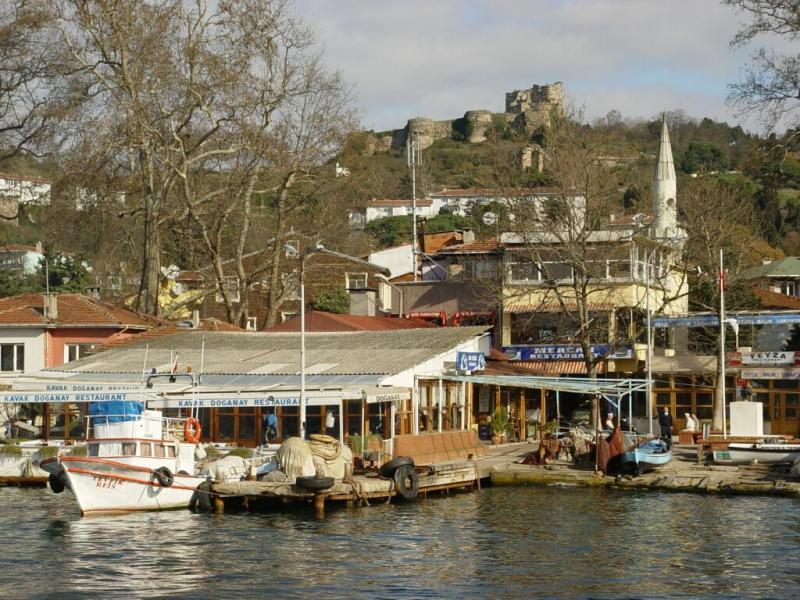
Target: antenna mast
(413, 158)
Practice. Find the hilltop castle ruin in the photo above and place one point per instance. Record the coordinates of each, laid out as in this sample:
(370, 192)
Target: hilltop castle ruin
(526, 110)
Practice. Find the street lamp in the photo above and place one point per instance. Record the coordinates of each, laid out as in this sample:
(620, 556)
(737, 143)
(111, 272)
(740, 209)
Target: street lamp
(311, 250)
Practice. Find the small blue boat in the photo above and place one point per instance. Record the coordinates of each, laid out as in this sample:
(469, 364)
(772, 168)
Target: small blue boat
(646, 456)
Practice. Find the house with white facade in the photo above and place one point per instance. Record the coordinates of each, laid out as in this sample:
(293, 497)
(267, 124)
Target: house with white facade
(461, 201)
(26, 190)
(379, 209)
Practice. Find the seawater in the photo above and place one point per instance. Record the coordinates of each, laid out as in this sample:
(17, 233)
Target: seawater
(497, 543)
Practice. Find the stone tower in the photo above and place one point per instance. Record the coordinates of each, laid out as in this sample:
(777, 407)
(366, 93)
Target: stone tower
(665, 189)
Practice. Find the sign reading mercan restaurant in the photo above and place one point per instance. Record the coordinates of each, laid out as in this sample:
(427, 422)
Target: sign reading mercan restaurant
(470, 361)
(565, 352)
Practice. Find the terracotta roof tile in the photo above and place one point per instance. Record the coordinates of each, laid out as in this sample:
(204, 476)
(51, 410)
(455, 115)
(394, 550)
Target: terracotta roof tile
(399, 202)
(478, 247)
(491, 192)
(73, 310)
(775, 300)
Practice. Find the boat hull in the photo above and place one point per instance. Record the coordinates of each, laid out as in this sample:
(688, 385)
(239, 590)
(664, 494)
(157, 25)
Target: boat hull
(763, 453)
(105, 486)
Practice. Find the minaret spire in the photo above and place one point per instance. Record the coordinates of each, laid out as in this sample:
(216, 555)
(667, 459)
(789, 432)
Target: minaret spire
(665, 188)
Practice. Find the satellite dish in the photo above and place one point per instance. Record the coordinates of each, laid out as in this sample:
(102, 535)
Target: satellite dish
(489, 218)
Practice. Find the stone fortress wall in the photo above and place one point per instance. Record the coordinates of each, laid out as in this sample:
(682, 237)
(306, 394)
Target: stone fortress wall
(526, 110)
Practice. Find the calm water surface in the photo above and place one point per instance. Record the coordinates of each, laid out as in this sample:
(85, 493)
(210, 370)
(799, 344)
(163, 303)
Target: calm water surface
(498, 543)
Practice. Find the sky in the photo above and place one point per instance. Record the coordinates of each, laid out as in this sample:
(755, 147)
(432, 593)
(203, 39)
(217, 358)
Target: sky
(440, 58)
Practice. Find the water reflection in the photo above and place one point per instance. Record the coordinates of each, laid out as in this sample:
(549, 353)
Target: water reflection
(509, 542)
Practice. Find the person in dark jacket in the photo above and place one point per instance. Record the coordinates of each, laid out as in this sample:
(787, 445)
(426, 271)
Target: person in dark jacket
(665, 421)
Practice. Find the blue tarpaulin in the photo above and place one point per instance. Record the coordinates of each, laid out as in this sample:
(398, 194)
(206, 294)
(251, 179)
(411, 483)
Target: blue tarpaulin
(115, 412)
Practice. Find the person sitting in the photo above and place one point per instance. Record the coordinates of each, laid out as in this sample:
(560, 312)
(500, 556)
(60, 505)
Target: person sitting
(609, 424)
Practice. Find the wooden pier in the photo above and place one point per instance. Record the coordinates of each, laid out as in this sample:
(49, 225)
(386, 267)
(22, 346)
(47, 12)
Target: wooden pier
(361, 488)
(14, 481)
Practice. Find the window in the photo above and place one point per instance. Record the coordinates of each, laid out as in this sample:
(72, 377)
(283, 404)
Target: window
(285, 316)
(232, 284)
(252, 323)
(77, 351)
(292, 249)
(12, 357)
(355, 281)
(524, 271)
(787, 287)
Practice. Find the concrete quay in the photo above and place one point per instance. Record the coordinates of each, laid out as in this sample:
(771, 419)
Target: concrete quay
(682, 474)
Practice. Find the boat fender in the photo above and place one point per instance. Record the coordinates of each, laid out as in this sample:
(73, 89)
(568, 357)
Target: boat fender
(406, 482)
(388, 469)
(314, 483)
(164, 476)
(192, 430)
(58, 482)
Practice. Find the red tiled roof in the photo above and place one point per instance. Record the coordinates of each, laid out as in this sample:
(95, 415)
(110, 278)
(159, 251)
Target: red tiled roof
(466, 192)
(24, 178)
(329, 322)
(400, 202)
(73, 310)
(634, 219)
(478, 247)
(18, 248)
(770, 299)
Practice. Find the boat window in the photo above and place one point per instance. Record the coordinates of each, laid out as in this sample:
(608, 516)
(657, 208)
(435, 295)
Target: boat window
(94, 449)
(146, 449)
(159, 448)
(170, 451)
(128, 448)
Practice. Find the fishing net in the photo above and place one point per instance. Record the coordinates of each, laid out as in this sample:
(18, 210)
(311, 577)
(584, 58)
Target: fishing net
(295, 458)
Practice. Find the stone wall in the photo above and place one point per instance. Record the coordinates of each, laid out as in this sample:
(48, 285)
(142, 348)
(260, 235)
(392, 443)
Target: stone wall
(526, 110)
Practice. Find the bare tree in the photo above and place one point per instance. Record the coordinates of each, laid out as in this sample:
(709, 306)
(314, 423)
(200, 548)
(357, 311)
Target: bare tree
(771, 83)
(720, 216)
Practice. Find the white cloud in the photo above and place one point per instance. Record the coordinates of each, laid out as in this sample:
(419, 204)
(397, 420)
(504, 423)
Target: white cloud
(440, 58)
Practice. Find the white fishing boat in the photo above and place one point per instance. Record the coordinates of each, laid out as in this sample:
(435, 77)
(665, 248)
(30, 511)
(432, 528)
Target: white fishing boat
(135, 460)
(765, 453)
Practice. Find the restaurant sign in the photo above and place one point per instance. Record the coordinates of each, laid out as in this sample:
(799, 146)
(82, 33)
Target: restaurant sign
(565, 352)
(470, 361)
(767, 358)
(770, 373)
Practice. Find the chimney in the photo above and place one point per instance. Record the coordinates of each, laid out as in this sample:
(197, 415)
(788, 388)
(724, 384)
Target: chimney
(196, 319)
(39, 247)
(50, 305)
(468, 236)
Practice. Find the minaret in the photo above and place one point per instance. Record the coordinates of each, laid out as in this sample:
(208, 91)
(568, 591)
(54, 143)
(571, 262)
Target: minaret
(665, 189)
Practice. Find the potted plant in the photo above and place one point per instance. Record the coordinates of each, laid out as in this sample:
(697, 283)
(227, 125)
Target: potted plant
(499, 424)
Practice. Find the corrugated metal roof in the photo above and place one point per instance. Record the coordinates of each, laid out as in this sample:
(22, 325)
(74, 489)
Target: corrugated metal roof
(323, 321)
(352, 353)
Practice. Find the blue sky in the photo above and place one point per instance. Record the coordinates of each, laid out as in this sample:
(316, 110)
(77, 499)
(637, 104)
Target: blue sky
(439, 58)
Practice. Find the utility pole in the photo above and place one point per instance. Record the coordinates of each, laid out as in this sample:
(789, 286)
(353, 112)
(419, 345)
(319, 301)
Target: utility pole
(413, 158)
(721, 359)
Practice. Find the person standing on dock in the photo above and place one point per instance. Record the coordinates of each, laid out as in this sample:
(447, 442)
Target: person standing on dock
(665, 421)
(330, 423)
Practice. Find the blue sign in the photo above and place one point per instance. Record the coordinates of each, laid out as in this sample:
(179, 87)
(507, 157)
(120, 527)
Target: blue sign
(713, 320)
(470, 361)
(565, 351)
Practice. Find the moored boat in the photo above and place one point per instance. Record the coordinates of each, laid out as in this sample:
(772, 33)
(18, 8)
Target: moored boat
(134, 461)
(646, 456)
(767, 453)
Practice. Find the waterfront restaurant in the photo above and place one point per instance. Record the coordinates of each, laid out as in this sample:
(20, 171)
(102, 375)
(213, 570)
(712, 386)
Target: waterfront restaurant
(369, 381)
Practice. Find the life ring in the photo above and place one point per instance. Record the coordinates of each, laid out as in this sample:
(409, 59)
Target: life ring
(192, 430)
